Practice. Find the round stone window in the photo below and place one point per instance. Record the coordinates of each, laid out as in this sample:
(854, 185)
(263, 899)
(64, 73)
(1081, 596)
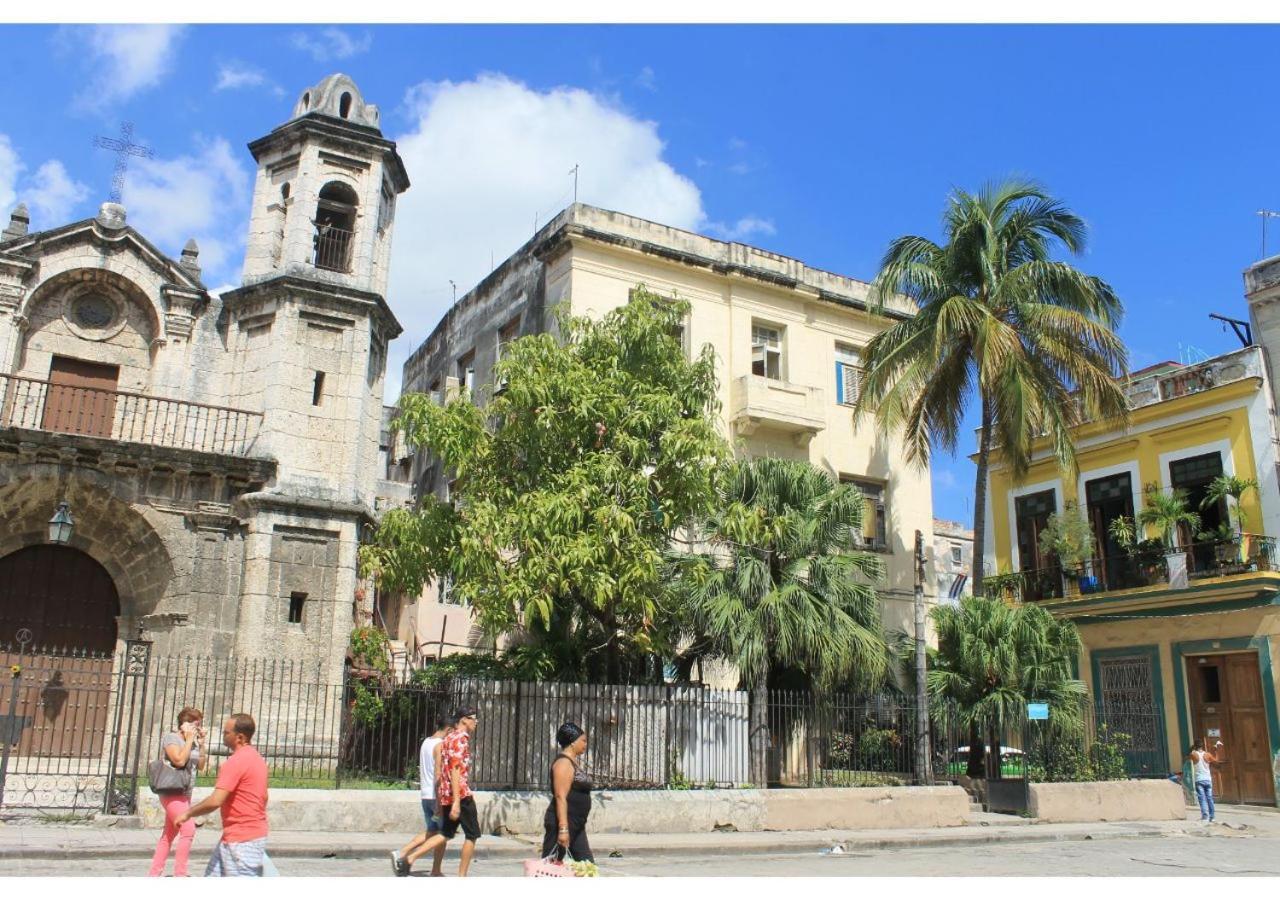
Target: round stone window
(93, 311)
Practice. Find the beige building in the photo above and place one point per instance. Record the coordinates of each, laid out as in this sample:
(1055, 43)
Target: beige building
(788, 341)
(952, 560)
(219, 454)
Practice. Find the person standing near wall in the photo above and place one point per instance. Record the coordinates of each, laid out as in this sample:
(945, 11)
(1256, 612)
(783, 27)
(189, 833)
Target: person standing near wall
(241, 793)
(429, 754)
(1202, 775)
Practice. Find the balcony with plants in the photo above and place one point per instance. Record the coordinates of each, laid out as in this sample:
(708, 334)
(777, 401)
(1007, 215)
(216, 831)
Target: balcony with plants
(1162, 549)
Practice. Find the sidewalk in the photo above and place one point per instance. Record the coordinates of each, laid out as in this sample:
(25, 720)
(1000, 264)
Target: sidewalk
(25, 841)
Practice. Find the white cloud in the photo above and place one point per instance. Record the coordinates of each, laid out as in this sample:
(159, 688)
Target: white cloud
(54, 194)
(488, 155)
(746, 227)
(646, 79)
(205, 196)
(331, 43)
(124, 60)
(50, 193)
(235, 75)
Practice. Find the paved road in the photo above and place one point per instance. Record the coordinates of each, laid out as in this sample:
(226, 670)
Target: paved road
(1216, 852)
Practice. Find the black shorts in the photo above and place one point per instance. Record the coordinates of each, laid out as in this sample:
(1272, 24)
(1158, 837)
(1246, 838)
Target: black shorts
(468, 818)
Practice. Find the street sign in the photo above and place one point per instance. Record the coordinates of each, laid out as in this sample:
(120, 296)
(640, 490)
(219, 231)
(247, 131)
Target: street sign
(1037, 710)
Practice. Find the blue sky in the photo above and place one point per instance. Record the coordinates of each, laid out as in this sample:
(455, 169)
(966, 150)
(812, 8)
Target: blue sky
(819, 142)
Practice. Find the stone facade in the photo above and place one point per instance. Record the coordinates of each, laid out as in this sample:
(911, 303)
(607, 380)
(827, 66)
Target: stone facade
(590, 260)
(220, 454)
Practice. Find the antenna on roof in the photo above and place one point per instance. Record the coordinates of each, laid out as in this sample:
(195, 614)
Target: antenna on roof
(1242, 329)
(1266, 214)
(574, 173)
(455, 290)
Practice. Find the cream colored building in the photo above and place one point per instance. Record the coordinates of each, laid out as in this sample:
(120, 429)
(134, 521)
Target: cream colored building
(788, 341)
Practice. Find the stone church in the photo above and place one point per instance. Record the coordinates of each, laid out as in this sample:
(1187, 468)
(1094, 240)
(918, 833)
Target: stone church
(217, 455)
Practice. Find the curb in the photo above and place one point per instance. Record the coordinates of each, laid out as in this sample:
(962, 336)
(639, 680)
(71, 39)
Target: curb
(603, 847)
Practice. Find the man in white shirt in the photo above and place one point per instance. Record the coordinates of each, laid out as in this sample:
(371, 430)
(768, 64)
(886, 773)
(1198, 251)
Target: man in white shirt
(428, 765)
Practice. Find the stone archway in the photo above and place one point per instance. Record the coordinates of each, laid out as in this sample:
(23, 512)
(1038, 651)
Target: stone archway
(58, 597)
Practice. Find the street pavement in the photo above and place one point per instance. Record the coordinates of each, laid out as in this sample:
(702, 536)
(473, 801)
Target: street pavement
(1246, 843)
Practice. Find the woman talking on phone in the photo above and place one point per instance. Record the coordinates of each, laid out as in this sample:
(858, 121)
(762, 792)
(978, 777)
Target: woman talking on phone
(566, 819)
(185, 749)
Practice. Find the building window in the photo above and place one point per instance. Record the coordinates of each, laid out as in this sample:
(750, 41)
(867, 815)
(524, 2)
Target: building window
(297, 600)
(446, 594)
(957, 555)
(875, 531)
(467, 371)
(386, 209)
(317, 389)
(335, 223)
(766, 351)
(506, 335)
(848, 374)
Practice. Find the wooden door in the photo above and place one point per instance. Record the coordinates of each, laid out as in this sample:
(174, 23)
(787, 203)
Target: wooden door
(81, 397)
(1250, 746)
(1227, 706)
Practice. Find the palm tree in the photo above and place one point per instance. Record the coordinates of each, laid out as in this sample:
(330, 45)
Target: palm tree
(782, 583)
(1232, 486)
(992, 659)
(1165, 511)
(1033, 337)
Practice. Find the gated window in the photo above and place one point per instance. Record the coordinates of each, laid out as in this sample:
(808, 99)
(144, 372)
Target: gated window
(1128, 691)
(875, 529)
(848, 374)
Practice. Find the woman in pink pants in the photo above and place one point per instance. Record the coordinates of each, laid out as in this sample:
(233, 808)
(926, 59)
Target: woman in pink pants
(185, 749)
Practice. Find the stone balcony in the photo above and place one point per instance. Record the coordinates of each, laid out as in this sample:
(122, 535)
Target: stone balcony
(757, 402)
(1169, 384)
(29, 404)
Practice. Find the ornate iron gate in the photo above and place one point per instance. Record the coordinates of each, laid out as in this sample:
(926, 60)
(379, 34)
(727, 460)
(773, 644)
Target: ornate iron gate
(71, 728)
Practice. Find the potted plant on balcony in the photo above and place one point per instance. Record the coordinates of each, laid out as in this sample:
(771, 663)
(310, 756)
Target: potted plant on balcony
(1068, 537)
(1220, 489)
(1146, 555)
(1166, 511)
(1226, 544)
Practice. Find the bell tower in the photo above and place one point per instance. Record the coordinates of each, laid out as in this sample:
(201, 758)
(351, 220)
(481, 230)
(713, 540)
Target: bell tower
(307, 336)
(325, 195)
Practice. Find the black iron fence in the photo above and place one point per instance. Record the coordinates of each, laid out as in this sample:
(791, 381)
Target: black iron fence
(76, 731)
(332, 248)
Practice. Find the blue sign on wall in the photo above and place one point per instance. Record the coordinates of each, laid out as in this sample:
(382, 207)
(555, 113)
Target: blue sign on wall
(1037, 710)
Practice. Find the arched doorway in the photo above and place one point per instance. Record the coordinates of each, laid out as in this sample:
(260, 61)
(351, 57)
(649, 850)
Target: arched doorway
(62, 595)
(58, 611)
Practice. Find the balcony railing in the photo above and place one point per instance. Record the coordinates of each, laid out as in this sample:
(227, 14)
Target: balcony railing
(332, 248)
(1146, 567)
(123, 416)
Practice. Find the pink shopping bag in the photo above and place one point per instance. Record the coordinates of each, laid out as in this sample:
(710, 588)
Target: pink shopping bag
(546, 868)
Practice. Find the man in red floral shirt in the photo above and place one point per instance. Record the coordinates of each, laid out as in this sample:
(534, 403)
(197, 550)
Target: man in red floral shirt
(453, 793)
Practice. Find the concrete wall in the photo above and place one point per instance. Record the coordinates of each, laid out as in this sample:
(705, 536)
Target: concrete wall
(622, 812)
(1108, 801)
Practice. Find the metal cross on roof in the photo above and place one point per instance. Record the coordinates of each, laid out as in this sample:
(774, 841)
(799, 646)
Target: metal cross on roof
(123, 147)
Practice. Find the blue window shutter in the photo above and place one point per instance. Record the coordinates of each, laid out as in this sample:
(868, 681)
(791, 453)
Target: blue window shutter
(839, 382)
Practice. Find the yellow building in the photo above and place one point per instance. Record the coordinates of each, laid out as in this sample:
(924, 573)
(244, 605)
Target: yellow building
(1195, 644)
(788, 341)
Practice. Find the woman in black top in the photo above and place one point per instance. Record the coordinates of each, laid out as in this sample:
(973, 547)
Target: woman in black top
(566, 819)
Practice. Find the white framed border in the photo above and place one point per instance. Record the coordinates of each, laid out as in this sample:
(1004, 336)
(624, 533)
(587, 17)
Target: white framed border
(1054, 485)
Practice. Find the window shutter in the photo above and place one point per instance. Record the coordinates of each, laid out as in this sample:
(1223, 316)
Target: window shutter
(849, 378)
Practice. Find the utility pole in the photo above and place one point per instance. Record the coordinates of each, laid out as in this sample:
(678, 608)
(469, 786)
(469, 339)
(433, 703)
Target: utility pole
(924, 773)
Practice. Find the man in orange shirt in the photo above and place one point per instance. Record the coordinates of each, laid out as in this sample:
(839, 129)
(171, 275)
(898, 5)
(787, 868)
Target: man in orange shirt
(241, 793)
(453, 792)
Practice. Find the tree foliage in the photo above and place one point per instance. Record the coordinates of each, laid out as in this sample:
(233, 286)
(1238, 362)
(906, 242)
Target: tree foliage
(568, 483)
(993, 658)
(781, 581)
(997, 318)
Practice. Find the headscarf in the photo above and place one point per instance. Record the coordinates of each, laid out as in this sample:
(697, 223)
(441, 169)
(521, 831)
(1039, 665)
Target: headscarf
(567, 733)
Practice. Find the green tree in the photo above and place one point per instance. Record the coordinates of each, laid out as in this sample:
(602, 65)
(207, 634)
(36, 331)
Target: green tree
(1032, 337)
(992, 659)
(1165, 511)
(569, 485)
(782, 583)
(1232, 486)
